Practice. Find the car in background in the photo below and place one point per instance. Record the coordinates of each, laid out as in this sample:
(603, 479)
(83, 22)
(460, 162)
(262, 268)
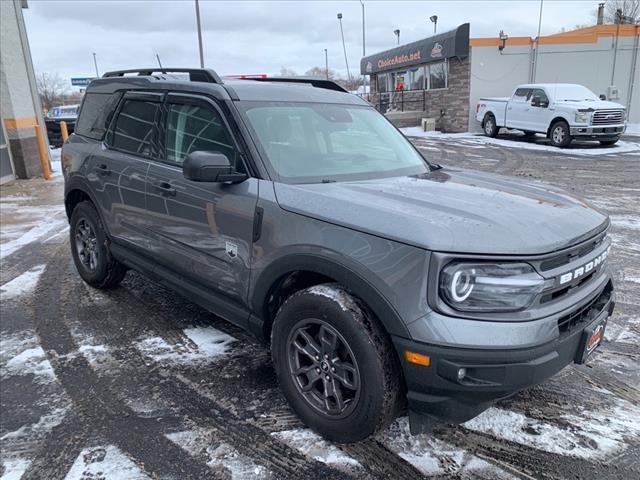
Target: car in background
(68, 113)
(561, 111)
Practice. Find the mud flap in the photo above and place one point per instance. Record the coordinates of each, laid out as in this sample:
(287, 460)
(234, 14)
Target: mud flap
(419, 423)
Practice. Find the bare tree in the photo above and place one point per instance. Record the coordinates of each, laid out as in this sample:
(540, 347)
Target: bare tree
(628, 8)
(321, 73)
(287, 72)
(51, 89)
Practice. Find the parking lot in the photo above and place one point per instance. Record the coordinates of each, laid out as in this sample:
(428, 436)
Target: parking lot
(139, 383)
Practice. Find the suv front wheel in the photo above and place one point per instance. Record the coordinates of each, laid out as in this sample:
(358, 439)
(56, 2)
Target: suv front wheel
(335, 364)
(90, 249)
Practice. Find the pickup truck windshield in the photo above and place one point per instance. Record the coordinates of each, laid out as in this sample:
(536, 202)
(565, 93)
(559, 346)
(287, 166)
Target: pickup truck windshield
(572, 93)
(314, 142)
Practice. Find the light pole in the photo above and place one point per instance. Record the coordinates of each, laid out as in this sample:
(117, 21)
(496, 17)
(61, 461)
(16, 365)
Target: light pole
(535, 61)
(434, 19)
(363, 49)
(326, 64)
(396, 32)
(95, 64)
(344, 47)
(199, 34)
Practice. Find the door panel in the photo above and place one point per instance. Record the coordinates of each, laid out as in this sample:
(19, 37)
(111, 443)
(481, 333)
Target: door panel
(537, 118)
(518, 107)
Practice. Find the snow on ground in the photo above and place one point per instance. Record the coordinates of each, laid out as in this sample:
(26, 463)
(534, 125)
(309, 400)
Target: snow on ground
(201, 442)
(45, 228)
(104, 463)
(43, 426)
(314, 446)
(435, 457)
(595, 434)
(22, 284)
(631, 222)
(14, 469)
(20, 354)
(202, 345)
(479, 140)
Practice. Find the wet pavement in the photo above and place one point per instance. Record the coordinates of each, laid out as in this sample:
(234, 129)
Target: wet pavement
(137, 382)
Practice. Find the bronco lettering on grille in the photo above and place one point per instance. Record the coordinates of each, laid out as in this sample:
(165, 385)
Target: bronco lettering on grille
(584, 269)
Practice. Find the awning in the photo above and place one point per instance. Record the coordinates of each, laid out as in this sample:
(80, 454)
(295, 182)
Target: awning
(454, 43)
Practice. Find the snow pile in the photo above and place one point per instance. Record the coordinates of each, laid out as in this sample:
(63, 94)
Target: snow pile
(595, 434)
(312, 445)
(22, 284)
(201, 345)
(104, 462)
(199, 442)
(20, 355)
(468, 139)
(435, 457)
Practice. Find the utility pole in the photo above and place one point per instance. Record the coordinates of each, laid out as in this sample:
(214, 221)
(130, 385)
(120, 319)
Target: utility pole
(535, 61)
(95, 64)
(199, 34)
(159, 63)
(344, 47)
(326, 64)
(363, 42)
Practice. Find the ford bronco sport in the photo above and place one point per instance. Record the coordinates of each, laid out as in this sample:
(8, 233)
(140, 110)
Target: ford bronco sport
(298, 212)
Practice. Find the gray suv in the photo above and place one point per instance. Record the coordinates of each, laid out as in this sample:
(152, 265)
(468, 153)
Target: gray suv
(298, 212)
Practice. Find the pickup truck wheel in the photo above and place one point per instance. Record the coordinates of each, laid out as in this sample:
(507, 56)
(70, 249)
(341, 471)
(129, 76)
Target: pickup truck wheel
(335, 364)
(560, 135)
(89, 247)
(489, 125)
(608, 142)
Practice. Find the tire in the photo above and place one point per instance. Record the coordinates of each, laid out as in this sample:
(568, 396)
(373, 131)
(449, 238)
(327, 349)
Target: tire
(559, 134)
(90, 249)
(489, 125)
(355, 349)
(608, 143)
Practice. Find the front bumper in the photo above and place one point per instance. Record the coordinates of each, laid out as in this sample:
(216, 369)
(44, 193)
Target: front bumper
(436, 393)
(598, 131)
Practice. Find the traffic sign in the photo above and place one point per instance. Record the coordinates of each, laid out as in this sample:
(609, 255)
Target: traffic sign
(81, 81)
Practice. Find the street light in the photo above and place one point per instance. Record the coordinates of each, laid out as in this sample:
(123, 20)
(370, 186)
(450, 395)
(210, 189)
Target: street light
(363, 49)
(396, 32)
(344, 47)
(326, 64)
(95, 64)
(434, 19)
(199, 34)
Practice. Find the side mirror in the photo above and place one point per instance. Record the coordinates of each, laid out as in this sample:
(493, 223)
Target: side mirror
(210, 167)
(603, 96)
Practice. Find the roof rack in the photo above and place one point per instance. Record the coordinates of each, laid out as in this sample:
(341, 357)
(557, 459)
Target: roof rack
(313, 81)
(195, 74)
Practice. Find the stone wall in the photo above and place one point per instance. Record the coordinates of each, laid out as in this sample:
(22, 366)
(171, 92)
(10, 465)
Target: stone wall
(449, 106)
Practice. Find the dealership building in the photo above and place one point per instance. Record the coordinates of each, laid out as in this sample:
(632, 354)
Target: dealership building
(442, 77)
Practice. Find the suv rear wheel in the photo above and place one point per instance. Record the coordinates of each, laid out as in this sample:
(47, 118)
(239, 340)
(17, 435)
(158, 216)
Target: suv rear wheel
(335, 363)
(559, 134)
(90, 250)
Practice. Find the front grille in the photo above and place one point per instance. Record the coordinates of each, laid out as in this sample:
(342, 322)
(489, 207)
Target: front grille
(586, 312)
(607, 117)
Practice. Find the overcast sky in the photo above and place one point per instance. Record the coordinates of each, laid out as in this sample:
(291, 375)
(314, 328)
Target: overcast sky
(262, 37)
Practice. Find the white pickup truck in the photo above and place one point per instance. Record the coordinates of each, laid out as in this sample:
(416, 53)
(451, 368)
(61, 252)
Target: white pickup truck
(561, 111)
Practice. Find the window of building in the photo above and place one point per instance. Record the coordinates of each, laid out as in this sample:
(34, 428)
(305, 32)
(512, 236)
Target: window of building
(416, 79)
(522, 95)
(438, 75)
(193, 128)
(383, 82)
(133, 132)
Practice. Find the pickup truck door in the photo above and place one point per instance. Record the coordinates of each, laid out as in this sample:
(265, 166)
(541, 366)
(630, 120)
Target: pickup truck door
(517, 108)
(202, 231)
(538, 116)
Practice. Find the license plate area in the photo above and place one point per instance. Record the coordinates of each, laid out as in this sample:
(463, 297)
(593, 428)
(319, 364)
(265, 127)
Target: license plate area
(592, 336)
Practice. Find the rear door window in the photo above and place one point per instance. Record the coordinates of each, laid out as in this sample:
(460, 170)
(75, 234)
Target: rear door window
(95, 114)
(522, 95)
(133, 131)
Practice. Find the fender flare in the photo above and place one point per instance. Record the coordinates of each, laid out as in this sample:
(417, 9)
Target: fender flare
(350, 276)
(81, 184)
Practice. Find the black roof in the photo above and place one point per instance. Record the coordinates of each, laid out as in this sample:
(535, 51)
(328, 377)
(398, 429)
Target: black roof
(278, 89)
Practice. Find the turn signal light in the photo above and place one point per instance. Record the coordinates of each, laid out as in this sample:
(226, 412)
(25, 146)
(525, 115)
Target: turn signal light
(417, 358)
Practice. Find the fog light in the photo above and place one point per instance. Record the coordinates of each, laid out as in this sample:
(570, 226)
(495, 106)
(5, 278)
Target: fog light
(462, 372)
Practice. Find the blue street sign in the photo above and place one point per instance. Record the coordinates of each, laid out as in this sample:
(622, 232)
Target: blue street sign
(81, 81)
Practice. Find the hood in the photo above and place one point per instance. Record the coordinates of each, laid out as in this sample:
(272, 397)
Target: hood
(451, 211)
(593, 104)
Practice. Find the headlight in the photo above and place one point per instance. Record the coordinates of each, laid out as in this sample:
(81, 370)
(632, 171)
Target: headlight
(482, 287)
(582, 117)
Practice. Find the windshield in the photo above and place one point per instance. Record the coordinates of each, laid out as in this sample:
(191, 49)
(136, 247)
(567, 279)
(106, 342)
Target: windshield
(572, 93)
(313, 142)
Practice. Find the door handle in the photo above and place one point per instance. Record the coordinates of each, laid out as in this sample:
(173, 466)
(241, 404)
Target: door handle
(165, 188)
(102, 169)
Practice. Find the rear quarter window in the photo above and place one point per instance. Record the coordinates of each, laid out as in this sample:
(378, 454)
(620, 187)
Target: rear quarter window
(95, 114)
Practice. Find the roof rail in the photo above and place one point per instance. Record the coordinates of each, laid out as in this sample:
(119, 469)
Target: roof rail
(313, 81)
(195, 74)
